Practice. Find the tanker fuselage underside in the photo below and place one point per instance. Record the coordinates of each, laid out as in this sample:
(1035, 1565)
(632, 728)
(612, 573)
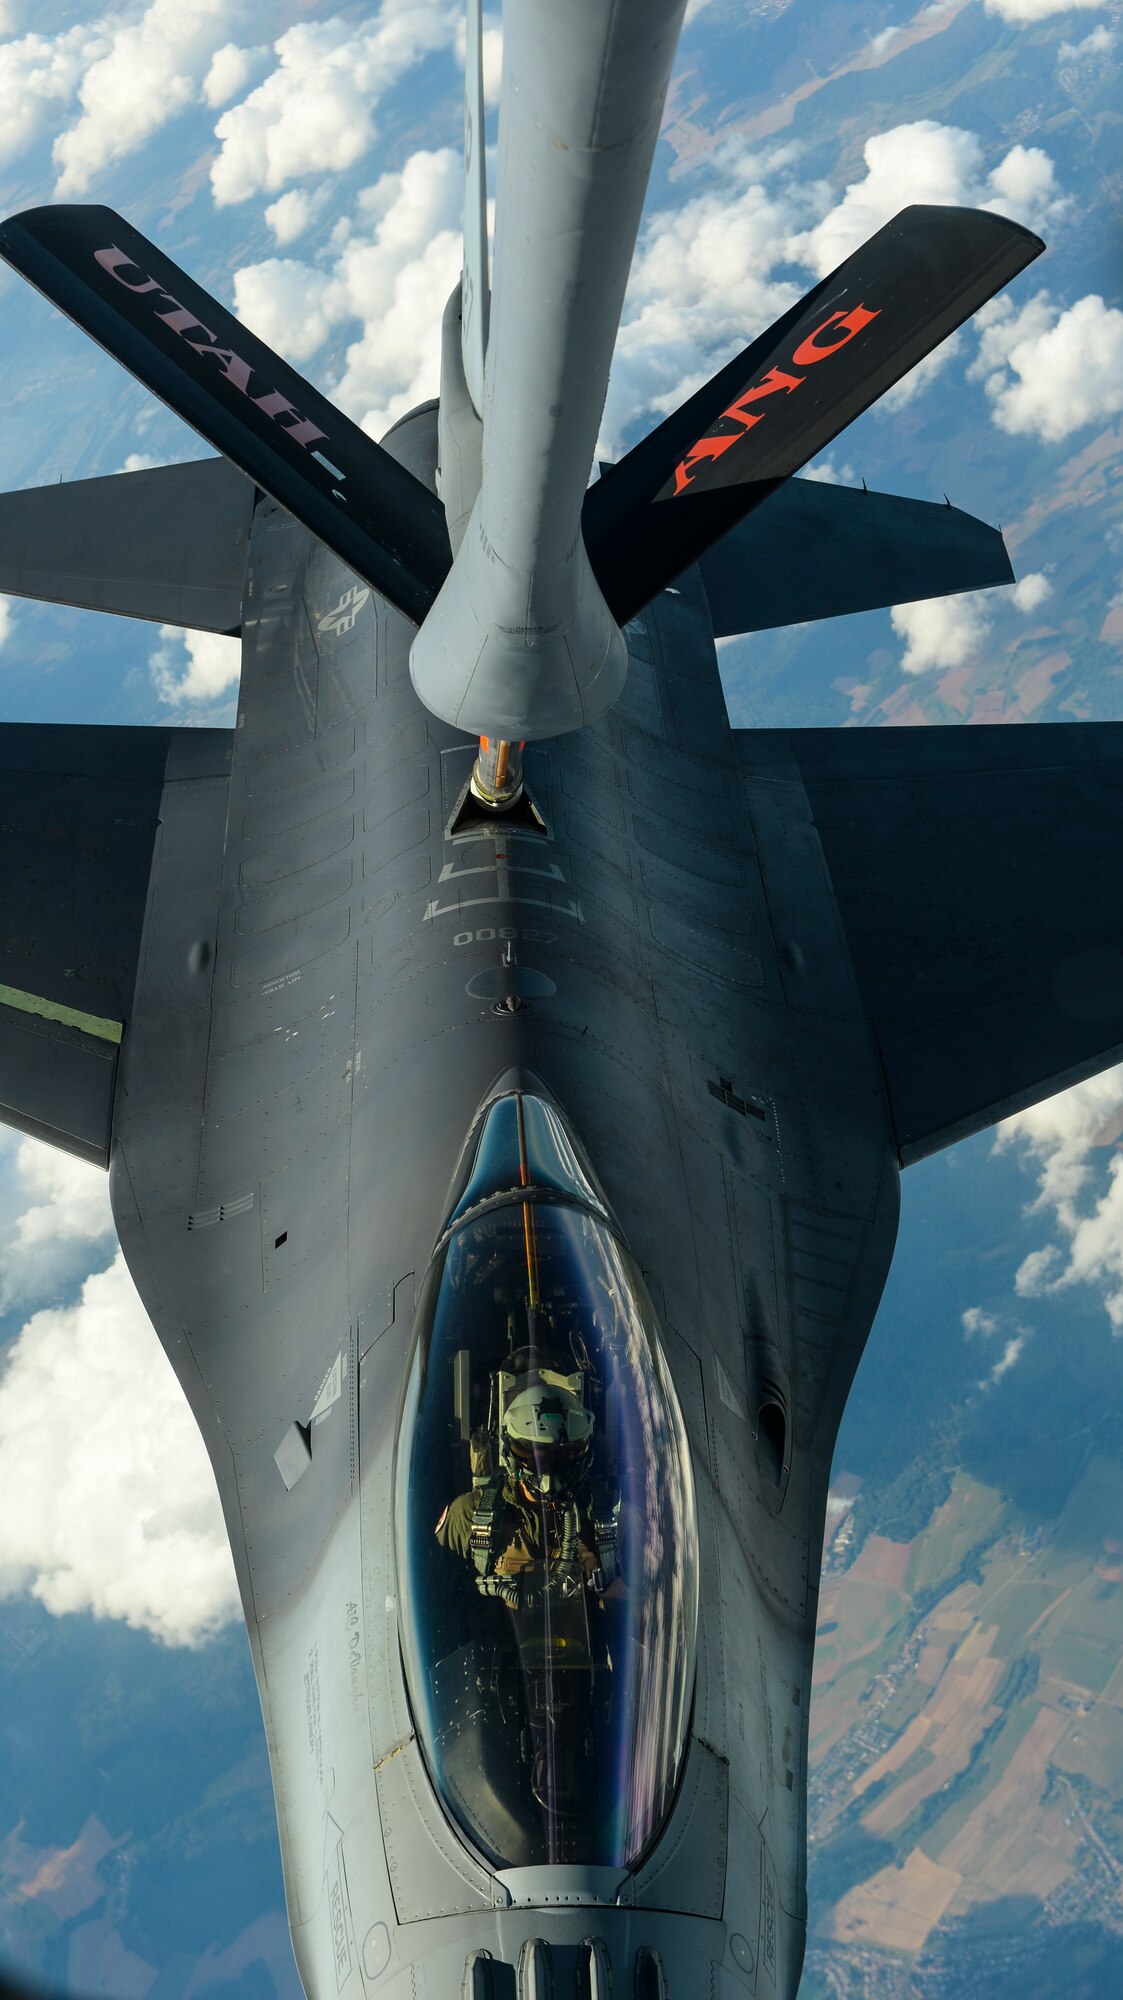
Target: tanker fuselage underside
(661, 951)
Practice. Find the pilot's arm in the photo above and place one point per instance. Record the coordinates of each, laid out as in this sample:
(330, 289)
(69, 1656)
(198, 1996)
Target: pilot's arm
(454, 1529)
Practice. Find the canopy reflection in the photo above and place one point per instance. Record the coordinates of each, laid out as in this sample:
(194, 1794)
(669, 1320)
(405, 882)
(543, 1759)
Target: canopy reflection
(545, 1517)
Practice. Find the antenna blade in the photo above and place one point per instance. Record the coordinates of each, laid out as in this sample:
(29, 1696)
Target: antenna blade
(476, 293)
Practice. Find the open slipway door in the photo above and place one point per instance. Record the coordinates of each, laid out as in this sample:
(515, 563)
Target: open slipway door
(545, 1517)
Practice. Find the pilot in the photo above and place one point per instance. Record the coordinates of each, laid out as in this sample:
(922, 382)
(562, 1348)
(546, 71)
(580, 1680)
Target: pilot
(539, 1520)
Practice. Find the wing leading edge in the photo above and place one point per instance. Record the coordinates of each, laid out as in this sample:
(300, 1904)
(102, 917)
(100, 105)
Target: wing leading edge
(980, 885)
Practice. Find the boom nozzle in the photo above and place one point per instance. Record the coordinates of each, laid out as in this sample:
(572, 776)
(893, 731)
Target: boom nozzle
(497, 775)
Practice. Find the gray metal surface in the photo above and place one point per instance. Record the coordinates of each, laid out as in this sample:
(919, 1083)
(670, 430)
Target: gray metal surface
(168, 544)
(977, 877)
(717, 984)
(278, 1189)
(476, 285)
(818, 551)
(520, 642)
(77, 837)
(704, 943)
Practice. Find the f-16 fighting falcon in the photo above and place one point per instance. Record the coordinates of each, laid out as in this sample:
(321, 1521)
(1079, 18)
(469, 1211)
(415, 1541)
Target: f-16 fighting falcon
(503, 1066)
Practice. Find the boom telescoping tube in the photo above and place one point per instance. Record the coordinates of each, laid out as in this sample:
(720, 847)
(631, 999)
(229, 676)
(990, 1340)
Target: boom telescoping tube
(520, 642)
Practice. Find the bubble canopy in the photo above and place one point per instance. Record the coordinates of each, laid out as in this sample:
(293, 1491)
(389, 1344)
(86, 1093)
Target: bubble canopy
(545, 1526)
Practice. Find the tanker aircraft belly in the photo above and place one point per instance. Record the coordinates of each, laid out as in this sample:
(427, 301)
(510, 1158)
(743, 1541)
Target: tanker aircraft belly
(279, 1190)
(504, 1128)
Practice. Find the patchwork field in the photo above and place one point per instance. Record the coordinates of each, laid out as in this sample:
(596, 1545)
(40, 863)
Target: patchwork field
(967, 1719)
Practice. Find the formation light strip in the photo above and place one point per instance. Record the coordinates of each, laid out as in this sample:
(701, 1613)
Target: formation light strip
(50, 1010)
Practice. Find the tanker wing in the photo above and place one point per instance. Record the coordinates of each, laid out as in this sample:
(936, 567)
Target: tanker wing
(979, 885)
(231, 388)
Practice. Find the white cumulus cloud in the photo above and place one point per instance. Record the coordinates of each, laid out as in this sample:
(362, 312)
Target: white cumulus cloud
(388, 273)
(313, 114)
(56, 1214)
(1048, 371)
(948, 631)
(1066, 1139)
(292, 213)
(230, 70)
(940, 631)
(1100, 42)
(918, 162)
(1023, 11)
(925, 161)
(290, 305)
(981, 1325)
(151, 69)
(1007, 1357)
(704, 279)
(1025, 187)
(394, 274)
(7, 621)
(1031, 591)
(194, 666)
(109, 1500)
(39, 76)
(827, 473)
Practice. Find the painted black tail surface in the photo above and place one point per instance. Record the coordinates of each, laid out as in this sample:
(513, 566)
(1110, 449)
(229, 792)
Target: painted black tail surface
(793, 390)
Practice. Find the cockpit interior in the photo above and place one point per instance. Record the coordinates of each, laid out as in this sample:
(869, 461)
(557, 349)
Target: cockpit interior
(545, 1513)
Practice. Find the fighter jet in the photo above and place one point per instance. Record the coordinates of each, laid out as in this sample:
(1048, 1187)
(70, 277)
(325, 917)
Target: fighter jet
(503, 1066)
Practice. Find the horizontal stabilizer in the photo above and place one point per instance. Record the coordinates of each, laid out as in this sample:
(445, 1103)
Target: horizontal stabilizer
(81, 821)
(817, 551)
(793, 390)
(979, 880)
(238, 395)
(168, 544)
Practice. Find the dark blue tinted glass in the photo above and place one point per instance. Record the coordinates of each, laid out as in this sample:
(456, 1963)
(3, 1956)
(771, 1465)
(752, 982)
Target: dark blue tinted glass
(547, 1544)
(496, 1165)
(551, 1156)
(522, 1142)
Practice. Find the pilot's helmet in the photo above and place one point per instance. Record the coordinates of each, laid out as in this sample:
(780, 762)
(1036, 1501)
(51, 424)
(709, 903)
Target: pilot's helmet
(547, 1440)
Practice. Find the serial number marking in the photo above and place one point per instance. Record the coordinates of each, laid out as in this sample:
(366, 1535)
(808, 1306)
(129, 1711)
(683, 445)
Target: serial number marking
(505, 934)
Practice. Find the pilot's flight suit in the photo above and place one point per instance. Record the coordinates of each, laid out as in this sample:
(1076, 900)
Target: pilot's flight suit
(517, 1541)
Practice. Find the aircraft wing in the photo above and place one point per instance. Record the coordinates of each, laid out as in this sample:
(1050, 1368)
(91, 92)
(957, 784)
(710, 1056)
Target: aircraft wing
(979, 880)
(169, 544)
(816, 551)
(78, 836)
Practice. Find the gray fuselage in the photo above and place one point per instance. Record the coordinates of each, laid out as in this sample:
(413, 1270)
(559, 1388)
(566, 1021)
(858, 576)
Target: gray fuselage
(321, 1009)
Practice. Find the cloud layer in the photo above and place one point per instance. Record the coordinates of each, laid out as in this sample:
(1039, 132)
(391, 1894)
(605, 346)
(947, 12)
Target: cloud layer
(1047, 371)
(109, 1500)
(394, 264)
(1024, 11)
(314, 112)
(948, 631)
(56, 1219)
(190, 668)
(1066, 1140)
(150, 69)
